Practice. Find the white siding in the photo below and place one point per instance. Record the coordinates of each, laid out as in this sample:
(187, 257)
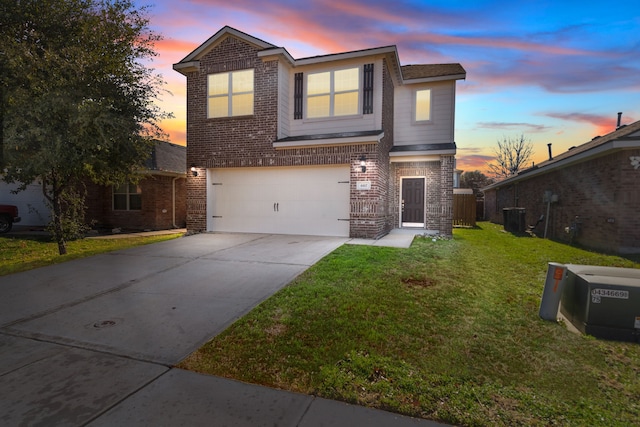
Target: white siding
(340, 124)
(285, 102)
(439, 130)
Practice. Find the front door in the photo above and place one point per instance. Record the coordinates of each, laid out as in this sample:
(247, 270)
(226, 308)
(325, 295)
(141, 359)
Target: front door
(413, 202)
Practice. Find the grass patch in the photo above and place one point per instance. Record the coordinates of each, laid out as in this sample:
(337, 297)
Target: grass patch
(445, 330)
(22, 253)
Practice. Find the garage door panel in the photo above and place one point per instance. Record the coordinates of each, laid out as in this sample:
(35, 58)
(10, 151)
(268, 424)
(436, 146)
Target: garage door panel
(299, 200)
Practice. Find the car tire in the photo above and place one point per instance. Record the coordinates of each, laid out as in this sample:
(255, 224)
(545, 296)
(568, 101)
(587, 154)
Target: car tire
(5, 224)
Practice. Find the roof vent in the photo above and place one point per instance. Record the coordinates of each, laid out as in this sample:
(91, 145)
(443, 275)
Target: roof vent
(550, 155)
(619, 120)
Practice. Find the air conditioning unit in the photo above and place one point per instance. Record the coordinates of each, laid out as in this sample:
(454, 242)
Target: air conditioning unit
(603, 301)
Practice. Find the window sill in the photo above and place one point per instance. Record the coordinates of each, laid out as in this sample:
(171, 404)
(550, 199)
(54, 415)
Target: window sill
(246, 116)
(333, 118)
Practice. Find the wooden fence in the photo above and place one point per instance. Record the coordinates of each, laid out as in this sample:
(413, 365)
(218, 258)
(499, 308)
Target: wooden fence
(464, 210)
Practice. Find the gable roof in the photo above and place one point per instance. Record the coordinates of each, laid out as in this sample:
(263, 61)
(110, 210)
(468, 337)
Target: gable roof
(167, 158)
(198, 52)
(404, 74)
(626, 136)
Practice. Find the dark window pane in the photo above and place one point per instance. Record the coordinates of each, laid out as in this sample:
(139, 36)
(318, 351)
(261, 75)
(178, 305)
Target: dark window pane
(120, 202)
(135, 202)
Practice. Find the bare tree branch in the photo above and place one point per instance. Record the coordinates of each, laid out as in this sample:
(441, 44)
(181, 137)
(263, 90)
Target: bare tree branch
(511, 155)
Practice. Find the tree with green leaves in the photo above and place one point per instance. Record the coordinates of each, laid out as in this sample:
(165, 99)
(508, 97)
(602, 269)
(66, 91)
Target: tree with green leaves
(475, 180)
(77, 99)
(511, 155)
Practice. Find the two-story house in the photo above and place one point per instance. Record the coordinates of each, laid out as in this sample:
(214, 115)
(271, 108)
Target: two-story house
(347, 144)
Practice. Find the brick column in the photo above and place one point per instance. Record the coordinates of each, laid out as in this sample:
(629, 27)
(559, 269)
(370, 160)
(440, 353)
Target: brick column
(446, 195)
(197, 201)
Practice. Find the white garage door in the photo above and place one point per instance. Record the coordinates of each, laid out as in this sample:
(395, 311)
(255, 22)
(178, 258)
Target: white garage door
(296, 200)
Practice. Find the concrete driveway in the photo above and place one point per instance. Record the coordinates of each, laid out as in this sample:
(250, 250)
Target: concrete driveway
(93, 341)
(156, 303)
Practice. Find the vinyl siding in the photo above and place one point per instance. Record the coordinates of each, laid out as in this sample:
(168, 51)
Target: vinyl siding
(440, 129)
(359, 122)
(285, 102)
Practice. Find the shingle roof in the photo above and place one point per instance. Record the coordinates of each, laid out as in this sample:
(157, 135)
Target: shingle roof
(620, 132)
(168, 157)
(331, 136)
(423, 147)
(423, 71)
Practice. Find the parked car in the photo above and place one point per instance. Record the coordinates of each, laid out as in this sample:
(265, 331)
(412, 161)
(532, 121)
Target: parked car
(8, 215)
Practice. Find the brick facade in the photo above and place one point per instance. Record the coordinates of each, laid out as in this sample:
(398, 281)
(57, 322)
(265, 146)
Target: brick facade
(600, 195)
(157, 206)
(438, 176)
(248, 142)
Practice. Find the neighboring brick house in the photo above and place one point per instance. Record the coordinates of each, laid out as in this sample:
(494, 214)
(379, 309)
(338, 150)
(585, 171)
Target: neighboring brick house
(156, 202)
(348, 144)
(589, 195)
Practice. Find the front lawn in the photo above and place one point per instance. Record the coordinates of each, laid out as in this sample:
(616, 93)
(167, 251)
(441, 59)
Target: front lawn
(24, 252)
(445, 330)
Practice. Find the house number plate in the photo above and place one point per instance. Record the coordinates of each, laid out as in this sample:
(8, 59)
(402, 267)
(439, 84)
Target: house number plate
(363, 185)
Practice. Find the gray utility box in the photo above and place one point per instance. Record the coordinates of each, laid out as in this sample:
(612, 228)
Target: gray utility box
(603, 301)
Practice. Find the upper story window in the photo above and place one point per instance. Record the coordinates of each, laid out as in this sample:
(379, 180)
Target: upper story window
(127, 197)
(230, 94)
(333, 93)
(422, 105)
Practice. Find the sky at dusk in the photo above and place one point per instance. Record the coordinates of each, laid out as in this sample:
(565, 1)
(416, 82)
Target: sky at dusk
(556, 71)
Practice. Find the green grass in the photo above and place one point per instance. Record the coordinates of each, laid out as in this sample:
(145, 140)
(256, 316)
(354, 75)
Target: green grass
(445, 330)
(22, 253)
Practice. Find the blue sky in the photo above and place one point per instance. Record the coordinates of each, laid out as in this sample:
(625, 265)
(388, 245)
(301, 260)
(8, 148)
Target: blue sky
(556, 71)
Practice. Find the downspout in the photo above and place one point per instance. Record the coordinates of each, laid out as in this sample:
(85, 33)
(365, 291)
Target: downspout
(173, 197)
(546, 223)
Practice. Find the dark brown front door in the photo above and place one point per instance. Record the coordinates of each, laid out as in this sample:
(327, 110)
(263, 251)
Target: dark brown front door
(413, 200)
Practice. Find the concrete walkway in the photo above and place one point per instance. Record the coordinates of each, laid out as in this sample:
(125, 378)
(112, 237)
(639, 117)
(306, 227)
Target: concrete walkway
(397, 238)
(94, 341)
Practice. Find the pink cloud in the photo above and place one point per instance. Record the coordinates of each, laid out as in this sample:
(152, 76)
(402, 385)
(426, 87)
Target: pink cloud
(173, 47)
(601, 123)
(528, 127)
(473, 162)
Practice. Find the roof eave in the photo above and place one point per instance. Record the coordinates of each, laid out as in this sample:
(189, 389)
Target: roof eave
(436, 79)
(347, 55)
(614, 145)
(186, 67)
(445, 152)
(277, 52)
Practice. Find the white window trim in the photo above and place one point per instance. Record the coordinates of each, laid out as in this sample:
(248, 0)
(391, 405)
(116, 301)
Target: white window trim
(229, 94)
(332, 94)
(414, 107)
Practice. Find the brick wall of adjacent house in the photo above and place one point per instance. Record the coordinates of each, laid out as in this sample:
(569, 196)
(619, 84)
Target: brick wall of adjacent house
(601, 195)
(157, 206)
(248, 141)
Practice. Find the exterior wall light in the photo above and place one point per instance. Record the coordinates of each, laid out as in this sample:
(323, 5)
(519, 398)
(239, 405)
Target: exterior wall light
(363, 164)
(194, 171)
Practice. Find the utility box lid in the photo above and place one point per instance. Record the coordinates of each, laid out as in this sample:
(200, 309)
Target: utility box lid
(603, 301)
